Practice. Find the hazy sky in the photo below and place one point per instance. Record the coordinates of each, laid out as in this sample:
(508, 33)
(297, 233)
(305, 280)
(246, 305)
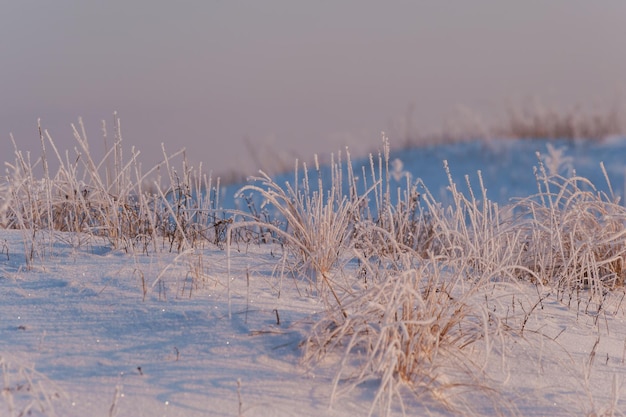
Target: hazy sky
(293, 76)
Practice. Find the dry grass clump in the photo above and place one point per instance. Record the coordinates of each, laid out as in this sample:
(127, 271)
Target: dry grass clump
(409, 312)
(473, 232)
(531, 119)
(411, 331)
(77, 198)
(397, 221)
(314, 223)
(576, 237)
(83, 196)
(318, 223)
(186, 207)
(111, 198)
(538, 121)
(412, 315)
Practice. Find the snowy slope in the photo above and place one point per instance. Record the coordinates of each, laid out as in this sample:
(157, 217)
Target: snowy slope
(78, 336)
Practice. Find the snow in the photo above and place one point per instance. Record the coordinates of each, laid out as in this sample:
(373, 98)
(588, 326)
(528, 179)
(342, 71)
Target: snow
(78, 336)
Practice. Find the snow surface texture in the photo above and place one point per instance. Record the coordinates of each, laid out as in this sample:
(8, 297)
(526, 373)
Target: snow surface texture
(78, 337)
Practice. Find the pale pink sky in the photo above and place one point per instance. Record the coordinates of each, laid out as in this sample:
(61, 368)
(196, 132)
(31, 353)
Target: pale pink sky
(301, 77)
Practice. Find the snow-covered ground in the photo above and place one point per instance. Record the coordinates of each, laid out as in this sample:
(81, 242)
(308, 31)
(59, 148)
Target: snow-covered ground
(78, 336)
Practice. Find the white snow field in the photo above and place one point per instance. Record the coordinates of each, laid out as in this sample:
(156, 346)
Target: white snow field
(471, 307)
